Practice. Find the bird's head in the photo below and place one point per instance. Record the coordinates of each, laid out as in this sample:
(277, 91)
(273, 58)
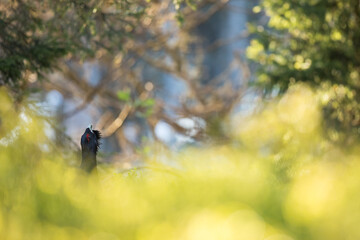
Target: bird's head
(90, 140)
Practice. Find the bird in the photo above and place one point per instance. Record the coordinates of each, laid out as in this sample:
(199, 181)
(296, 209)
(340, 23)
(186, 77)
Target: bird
(90, 144)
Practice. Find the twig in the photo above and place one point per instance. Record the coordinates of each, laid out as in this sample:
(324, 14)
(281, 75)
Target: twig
(222, 42)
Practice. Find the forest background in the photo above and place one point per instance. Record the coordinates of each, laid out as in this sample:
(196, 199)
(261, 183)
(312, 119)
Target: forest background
(221, 119)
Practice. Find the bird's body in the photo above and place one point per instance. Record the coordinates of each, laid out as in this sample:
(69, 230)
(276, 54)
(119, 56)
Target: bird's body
(90, 143)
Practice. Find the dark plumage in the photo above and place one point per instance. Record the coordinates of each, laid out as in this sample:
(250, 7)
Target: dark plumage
(90, 143)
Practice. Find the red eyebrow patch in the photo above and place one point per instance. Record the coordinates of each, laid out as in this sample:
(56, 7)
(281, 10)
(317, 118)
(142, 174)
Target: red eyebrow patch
(87, 136)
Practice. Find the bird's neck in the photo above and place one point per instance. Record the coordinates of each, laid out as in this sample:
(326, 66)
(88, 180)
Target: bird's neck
(88, 162)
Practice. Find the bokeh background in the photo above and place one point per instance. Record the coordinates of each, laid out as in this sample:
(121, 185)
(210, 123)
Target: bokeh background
(221, 119)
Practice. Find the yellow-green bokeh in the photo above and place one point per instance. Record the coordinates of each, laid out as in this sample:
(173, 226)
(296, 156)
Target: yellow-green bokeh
(281, 180)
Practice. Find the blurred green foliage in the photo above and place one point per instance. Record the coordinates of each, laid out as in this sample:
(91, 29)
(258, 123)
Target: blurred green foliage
(313, 41)
(280, 179)
(124, 95)
(36, 34)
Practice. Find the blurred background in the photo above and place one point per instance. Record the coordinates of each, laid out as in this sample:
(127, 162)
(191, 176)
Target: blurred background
(245, 116)
(175, 73)
(143, 73)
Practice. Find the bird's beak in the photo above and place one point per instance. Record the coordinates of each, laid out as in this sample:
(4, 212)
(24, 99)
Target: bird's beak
(90, 127)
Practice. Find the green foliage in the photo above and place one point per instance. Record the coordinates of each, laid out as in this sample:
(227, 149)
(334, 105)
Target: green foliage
(342, 109)
(145, 107)
(149, 102)
(21, 48)
(35, 34)
(280, 182)
(124, 95)
(178, 3)
(310, 41)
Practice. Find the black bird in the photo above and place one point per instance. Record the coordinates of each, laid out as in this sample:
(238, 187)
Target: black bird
(90, 143)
